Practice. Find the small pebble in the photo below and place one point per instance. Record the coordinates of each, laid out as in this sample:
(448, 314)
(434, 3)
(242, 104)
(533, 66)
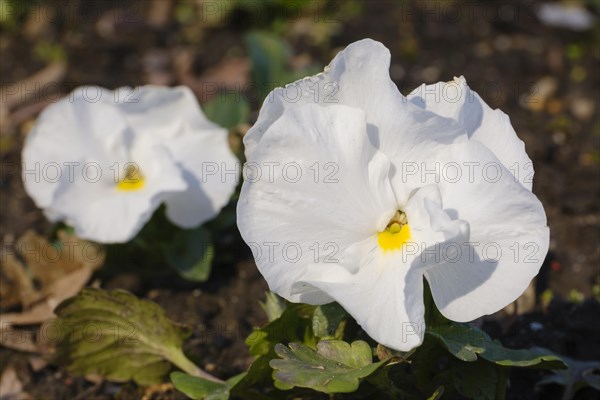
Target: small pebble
(536, 326)
(209, 367)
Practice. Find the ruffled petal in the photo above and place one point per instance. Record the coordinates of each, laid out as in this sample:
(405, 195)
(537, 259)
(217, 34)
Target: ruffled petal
(76, 130)
(327, 191)
(161, 112)
(172, 116)
(431, 225)
(456, 100)
(100, 212)
(385, 295)
(382, 289)
(507, 243)
(359, 77)
(212, 173)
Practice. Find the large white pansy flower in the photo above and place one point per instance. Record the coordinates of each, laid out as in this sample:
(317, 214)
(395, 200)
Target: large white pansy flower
(354, 193)
(103, 161)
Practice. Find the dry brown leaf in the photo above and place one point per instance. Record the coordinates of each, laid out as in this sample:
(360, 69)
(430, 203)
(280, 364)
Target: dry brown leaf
(21, 340)
(11, 387)
(15, 94)
(61, 268)
(37, 363)
(155, 391)
(48, 262)
(21, 92)
(66, 286)
(159, 13)
(16, 286)
(39, 21)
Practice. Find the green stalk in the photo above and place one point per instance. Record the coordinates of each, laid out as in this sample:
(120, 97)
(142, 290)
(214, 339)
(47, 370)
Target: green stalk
(502, 374)
(184, 363)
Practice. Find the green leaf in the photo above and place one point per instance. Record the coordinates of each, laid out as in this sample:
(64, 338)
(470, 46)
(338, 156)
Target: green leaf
(294, 325)
(433, 316)
(467, 343)
(190, 253)
(227, 109)
(475, 380)
(273, 306)
(327, 321)
(269, 55)
(387, 380)
(201, 389)
(118, 336)
(291, 322)
(437, 394)
(335, 367)
(579, 375)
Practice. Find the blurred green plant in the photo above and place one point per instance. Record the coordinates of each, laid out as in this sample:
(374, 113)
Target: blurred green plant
(227, 109)
(269, 55)
(49, 52)
(190, 252)
(575, 296)
(578, 375)
(13, 12)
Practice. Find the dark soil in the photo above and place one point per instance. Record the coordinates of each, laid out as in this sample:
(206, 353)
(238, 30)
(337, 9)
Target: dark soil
(504, 53)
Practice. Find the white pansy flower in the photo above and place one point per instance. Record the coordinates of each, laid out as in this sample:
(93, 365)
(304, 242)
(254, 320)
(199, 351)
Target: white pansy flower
(354, 193)
(103, 161)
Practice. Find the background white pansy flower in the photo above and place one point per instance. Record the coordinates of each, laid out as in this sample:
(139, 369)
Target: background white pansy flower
(354, 117)
(104, 160)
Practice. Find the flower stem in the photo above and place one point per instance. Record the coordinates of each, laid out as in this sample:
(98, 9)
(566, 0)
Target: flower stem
(502, 376)
(184, 363)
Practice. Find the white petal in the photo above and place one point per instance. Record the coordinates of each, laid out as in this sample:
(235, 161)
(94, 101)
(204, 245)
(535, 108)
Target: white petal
(430, 224)
(328, 190)
(456, 100)
(385, 296)
(161, 112)
(508, 237)
(75, 130)
(383, 290)
(359, 77)
(212, 173)
(100, 212)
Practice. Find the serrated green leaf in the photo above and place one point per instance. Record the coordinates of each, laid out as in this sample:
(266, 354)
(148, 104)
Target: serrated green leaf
(294, 325)
(580, 374)
(335, 367)
(467, 343)
(118, 336)
(228, 109)
(190, 252)
(201, 389)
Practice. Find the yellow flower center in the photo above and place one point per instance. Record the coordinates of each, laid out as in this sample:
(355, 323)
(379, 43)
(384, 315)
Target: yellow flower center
(396, 234)
(133, 180)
